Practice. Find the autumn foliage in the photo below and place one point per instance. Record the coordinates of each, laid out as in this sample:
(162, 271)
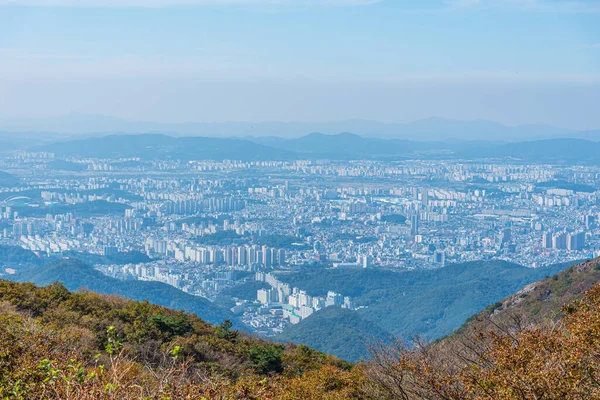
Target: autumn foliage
(55, 344)
(552, 360)
(60, 345)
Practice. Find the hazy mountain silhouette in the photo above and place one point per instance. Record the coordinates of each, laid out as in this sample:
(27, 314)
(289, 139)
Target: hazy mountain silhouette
(426, 129)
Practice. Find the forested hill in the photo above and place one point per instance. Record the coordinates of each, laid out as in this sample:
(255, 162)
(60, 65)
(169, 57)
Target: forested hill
(76, 275)
(337, 331)
(430, 303)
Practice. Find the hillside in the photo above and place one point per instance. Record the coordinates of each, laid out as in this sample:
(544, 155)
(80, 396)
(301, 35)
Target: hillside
(536, 303)
(17, 257)
(336, 331)
(76, 275)
(55, 344)
(431, 303)
(8, 180)
(542, 342)
(346, 145)
(59, 344)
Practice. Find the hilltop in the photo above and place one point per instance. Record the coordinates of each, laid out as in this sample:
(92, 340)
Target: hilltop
(432, 128)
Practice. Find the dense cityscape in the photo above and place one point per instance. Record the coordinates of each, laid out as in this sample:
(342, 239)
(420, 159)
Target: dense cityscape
(206, 227)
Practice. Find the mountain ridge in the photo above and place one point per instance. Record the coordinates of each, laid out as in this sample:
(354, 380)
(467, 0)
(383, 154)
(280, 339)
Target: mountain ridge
(343, 146)
(433, 128)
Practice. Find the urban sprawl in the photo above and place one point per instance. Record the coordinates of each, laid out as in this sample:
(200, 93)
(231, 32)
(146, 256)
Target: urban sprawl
(208, 227)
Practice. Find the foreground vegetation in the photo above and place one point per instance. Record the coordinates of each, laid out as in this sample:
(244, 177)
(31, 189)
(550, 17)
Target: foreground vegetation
(541, 343)
(63, 345)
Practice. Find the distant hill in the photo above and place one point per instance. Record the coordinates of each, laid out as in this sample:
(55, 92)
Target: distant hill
(557, 151)
(17, 258)
(8, 180)
(76, 275)
(424, 129)
(155, 146)
(431, 303)
(336, 331)
(343, 146)
(348, 145)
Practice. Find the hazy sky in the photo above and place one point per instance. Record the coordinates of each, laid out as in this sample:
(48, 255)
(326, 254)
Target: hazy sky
(512, 61)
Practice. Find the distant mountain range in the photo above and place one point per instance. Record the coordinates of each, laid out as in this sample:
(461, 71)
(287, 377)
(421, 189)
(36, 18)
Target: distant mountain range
(343, 146)
(426, 129)
(155, 146)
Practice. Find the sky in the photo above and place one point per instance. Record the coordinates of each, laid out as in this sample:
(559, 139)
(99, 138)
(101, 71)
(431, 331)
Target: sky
(510, 61)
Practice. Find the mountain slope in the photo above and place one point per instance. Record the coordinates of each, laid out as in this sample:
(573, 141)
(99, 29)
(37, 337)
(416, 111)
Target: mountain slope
(336, 331)
(61, 345)
(539, 343)
(431, 303)
(76, 275)
(8, 180)
(538, 301)
(17, 258)
(343, 146)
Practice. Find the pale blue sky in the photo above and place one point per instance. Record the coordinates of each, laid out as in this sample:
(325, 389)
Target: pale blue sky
(512, 61)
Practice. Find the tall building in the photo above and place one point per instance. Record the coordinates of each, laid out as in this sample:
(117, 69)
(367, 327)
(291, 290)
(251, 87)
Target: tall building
(414, 224)
(547, 240)
(263, 296)
(559, 241)
(576, 241)
(108, 251)
(439, 257)
(281, 257)
(590, 221)
(506, 236)
(334, 299)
